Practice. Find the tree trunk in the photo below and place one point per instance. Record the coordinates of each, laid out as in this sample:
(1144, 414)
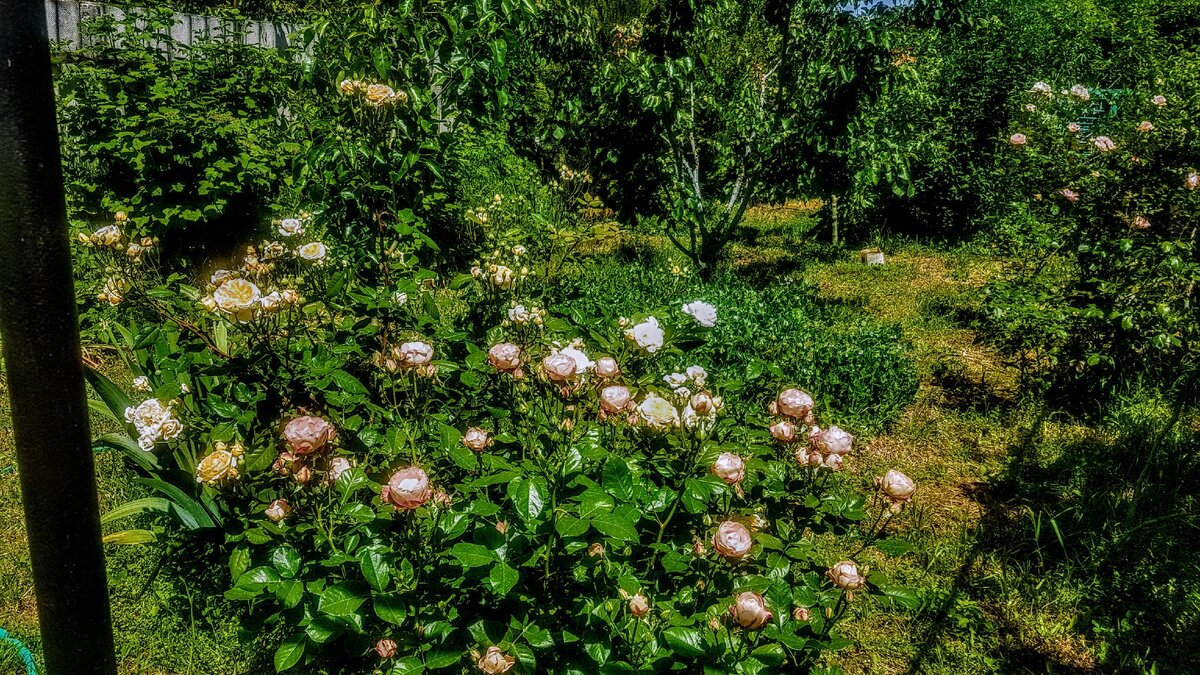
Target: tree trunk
(833, 217)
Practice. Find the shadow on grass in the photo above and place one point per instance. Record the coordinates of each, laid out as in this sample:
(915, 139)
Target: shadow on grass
(1109, 520)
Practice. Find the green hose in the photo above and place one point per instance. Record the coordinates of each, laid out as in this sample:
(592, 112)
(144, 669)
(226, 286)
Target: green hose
(22, 651)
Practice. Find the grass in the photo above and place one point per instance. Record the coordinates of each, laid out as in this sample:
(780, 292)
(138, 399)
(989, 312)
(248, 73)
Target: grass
(1015, 531)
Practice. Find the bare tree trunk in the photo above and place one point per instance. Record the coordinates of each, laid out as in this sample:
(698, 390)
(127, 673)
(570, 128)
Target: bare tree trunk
(833, 215)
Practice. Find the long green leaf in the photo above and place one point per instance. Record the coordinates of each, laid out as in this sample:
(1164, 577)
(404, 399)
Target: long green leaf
(128, 447)
(188, 510)
(130, 537)
(136, 507)
(109, 392)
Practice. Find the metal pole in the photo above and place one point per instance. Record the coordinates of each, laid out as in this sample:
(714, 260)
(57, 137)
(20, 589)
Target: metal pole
(42, 358)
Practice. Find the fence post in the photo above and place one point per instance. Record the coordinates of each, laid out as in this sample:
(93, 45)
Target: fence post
(40, 339)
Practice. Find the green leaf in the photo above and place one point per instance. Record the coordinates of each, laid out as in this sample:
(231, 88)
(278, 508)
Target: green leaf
(894, 547)
(770, 654)
(135, 507)
(239, 562)
(473, 555)
(615, 526)
(526, 498)
(109, 392)
(391, 608)
(617, 478)
(569, 526)
(148, 461)
(289, 653)
(348, 383)
(503, 578)
(905, 597)
(286, 560)
(290, 593)
(130, 537)
(375, 569)
(407, 666)
(341, 599)
(686, 642)
(189, 511)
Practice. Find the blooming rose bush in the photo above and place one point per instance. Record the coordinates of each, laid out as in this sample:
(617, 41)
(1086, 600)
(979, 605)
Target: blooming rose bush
(1106, 277)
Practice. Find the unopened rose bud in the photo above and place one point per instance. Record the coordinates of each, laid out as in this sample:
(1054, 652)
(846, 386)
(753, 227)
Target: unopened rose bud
(699, 549)
(120, 217)
(386, 648)
(568, 424)
(303, 475)
(801, 614)
(501, 526)
(702, 403)
(639, 606)
(441, 499)
(784, 431)
(714, 624)
(208, 303)
(596, 550)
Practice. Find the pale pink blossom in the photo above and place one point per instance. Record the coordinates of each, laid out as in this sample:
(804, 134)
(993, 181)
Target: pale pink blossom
(308, 434)
(407, 489)
(729, 468)
(750, 611)
(845, 575)
(732, 540)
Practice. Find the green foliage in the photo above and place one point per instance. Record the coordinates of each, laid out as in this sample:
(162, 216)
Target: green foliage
(198, 141)
(858, 369)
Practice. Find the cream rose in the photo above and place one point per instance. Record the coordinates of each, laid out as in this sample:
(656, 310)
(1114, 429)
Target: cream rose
(833, 440)
(845, 576)
(1073, 127)
(1017, 140)
(313, 252)
(237, 297)
(750, 611)
(278, 510)
(495, 661)
(308, 434)
(337, 467)
(607, 368)
(220, 464)
(582, 363)
(1104, 144)
(414, 354)
(896, 486)
(784, 431)
(380, 94)
(1145, 127)
(505, 356)
(647, 335)
(476, 439)
(615, 398)
(291, 227)
(702, 403)
(732, 540)
(639, 605)
(407, 489)
(1042, 89)
(657, 412)
(729, 468)
(559, 367)
(794, 403)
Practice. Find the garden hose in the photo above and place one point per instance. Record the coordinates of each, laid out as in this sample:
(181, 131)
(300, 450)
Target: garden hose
(22, 651)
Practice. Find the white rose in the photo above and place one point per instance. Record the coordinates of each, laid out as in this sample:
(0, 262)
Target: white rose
(313, 252)
(675, 379)
(658, 413)
(413, 354)
(704, 313)
(697, 374)
(291, 227)
(141, 383)
(238, 298)
(271, 301)
(582, 362)
(648, 335)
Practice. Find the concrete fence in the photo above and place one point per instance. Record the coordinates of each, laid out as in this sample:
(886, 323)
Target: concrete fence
(64, 20)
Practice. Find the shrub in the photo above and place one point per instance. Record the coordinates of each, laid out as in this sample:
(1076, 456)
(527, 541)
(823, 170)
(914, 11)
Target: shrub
(405, 487)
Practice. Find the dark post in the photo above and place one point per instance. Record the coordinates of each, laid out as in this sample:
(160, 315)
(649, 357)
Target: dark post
(41, 355)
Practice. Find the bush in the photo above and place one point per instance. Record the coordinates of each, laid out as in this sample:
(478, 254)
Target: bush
(421, 474)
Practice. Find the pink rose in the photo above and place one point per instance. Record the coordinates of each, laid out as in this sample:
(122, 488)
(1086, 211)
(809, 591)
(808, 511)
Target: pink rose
(414, 354)
(615, 398)
(495, 661)
(607, 368)
(505, 357)
(386, 648)
(732, 540)
(477, 439)
(702, 403)
(845, 576)
(896, 486)
(407, 489)
(1140, 223)
(1145, 127)
(559, 367)
(338, 466)
(1193, 181)
(794, 403)
(830, 441)
(1017, 140)
(729, 468)
(1069, 195)
(1160, 101)
(1104, 144)
(833, 462)
(303, 475)
(784, 431)
(801, 614)
(308, 434)
(639, 606)
(750, 611)
(1073, 127)
(278, 510)
(441, 499)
